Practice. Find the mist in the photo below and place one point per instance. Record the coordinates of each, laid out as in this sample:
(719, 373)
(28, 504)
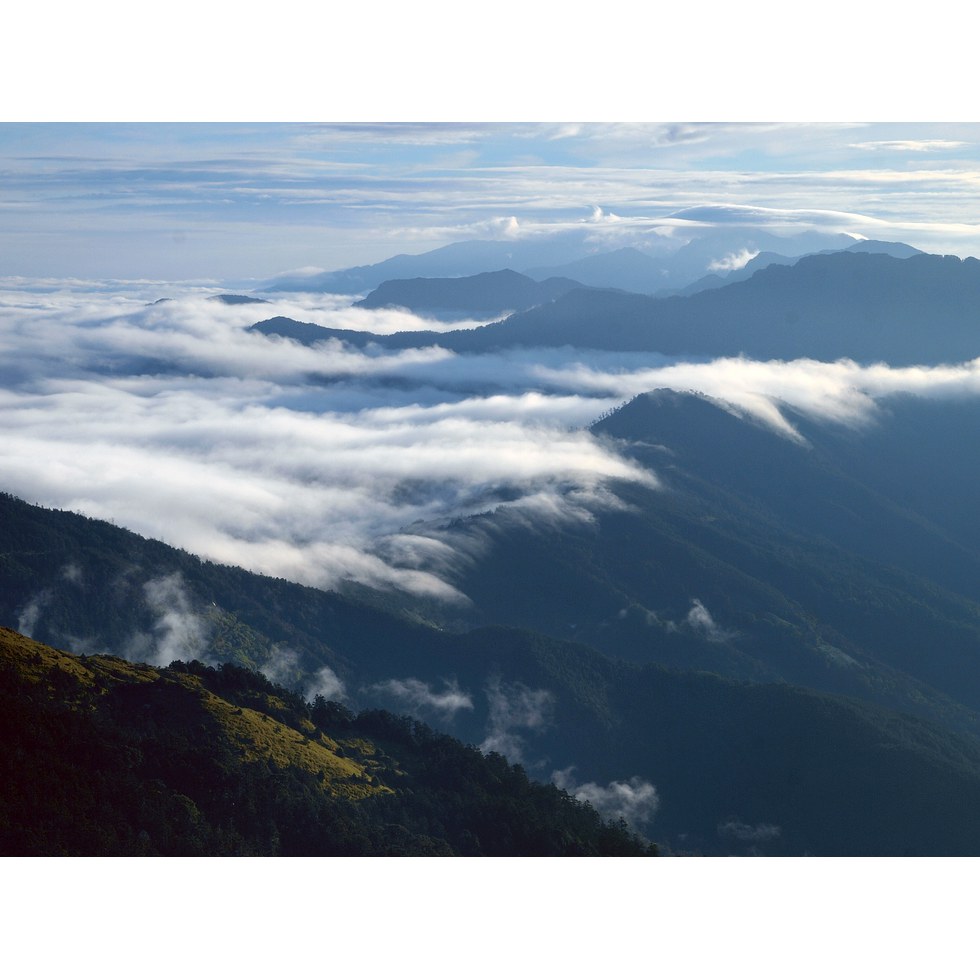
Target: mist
(327, 464)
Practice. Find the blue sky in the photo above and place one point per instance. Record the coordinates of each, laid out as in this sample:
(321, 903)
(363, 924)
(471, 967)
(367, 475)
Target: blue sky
(240, 200)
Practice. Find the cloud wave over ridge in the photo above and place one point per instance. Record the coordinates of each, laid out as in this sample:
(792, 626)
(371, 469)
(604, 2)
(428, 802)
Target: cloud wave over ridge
(175, 421)
(331, 463)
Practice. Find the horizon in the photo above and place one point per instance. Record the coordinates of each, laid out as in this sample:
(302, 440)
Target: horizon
(241, 203)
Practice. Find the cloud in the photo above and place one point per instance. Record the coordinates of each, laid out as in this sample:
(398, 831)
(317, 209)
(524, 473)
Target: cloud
(29, 616)
(750, 833)
(912, 146)
(703, 623)
(841, 392)
(178, 633)
(284, 667)
(635, 800)
(177, 422)
(328, 464)
(513, 707)
(244, 200)
(325, 683)
(417, 696)
(733, 261)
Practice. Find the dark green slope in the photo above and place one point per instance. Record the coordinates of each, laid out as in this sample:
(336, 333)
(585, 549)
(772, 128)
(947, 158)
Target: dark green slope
(730, 761)
(738, 767)
(106, 758)
(813, 569)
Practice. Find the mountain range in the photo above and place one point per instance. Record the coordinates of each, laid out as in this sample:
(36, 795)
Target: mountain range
(769, 646)
(864, 306)
(486, 295)
(652, 263)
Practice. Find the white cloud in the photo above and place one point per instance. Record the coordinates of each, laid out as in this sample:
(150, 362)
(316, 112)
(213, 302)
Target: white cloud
(702, 622)
(324, 464)
(733, 261)
(178, 634)
(634, 800)
(28, 617)
(306, 463)
(514, 707)
(913, 146)
(749, 833)
(325, 683)
(417, 696)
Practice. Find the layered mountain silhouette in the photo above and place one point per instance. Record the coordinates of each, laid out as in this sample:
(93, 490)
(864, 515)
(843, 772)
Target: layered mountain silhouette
(649, 264)
(898, 250)
(486, 295)
(859, 305)
(720, 752)
(773, 647)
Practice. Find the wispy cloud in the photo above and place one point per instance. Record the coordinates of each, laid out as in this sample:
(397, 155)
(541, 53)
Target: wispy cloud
(306, 463)
(179, 632)
(635, 800)
(703, 623)
(514, 710)
(414, 695)
(238, 201)
(28, 617)
(912, 146)
(749, 833)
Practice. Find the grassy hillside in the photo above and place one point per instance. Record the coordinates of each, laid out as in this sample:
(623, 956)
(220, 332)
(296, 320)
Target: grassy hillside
(107, 757)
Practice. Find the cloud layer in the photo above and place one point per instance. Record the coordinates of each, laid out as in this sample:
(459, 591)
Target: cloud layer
(331, 463)
(311, 464)
(254, 200)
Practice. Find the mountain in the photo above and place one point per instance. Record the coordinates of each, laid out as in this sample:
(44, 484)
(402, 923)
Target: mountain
(106, 757)
(860, 305)
(486, 295)
(458, 259)
(865, 306)
(898, 250)
(624, 268)
(234, 299)
(703, 763)
(828, 563)
(650, 263)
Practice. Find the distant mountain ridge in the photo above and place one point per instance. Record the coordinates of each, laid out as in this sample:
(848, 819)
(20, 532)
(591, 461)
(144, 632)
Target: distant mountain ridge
(574, 253)
(488, 294)
(867, 306)
(898, 250)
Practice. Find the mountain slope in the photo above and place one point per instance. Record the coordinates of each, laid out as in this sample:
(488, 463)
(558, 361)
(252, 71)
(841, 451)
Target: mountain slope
(865, 306)
(708, 764)
(107, 757)
(761, 558)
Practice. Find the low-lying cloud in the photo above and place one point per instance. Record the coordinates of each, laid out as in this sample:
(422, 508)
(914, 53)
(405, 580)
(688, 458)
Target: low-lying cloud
(634, 800)
(332, 463)
(414, 695)
(175, 421)
(749, 833)
(179, 632)
(514, 710)
(703, 623)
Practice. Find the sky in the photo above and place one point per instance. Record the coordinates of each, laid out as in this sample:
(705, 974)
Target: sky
(241, 202)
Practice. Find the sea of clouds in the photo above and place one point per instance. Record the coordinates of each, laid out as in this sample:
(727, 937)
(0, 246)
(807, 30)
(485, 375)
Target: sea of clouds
(327, 463)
